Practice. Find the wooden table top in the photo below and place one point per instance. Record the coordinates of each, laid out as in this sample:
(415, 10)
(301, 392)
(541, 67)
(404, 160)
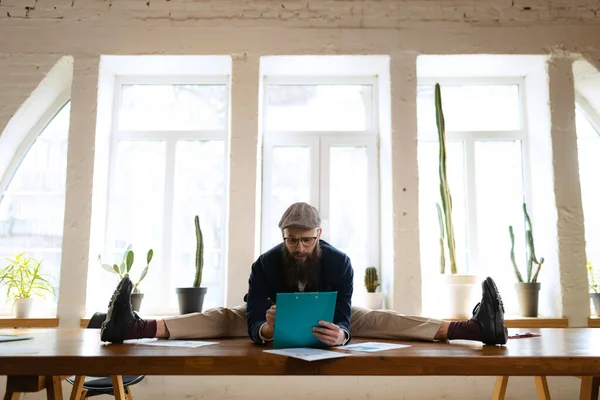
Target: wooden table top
(569, 352)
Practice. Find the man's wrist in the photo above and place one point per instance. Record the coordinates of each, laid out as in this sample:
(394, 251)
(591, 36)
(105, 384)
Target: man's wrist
(346, 336)
(265, 334)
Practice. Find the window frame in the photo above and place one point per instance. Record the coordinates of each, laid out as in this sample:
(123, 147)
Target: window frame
(319, 143)
(468, 138)
(170, 138)
(23, 149)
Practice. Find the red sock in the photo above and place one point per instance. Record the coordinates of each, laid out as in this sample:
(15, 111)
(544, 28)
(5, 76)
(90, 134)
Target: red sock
(467, 330)
(140, 329)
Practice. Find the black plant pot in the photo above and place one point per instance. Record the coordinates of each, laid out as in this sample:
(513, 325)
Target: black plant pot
(136, 301)
(190, 299)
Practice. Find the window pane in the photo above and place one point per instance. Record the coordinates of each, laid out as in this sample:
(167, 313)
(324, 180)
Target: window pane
(429, 195)
(585, 130)
(290, 174)
(319, 107)
(173, 107)
(199, 190)
(589, 165)
(32, 209)
(471, 107)
(499, 182)
(349, 208)
(135, 217)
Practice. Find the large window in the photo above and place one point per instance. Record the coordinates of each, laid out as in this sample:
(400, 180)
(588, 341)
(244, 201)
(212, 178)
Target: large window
(320, 146)
(588, 144)
(32, 208)
(167, 164)
(486, 138)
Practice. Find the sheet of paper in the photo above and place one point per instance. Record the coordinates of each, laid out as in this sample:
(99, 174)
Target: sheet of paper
(14, 338)
(307, 354)
(173, 343)
(11, 350)
(374, 346)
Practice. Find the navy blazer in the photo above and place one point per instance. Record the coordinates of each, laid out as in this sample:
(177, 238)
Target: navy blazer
(267, 279)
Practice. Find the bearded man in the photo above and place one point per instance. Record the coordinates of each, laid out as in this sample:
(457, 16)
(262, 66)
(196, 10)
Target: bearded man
(304, 262)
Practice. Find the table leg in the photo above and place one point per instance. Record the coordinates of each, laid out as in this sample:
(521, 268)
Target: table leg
(9, 395)
(500, 388)
(589, 388)
(117, 381)
(541, 384)
(54, 388)
(76, 393)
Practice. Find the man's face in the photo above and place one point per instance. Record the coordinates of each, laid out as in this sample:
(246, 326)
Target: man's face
(301, 242)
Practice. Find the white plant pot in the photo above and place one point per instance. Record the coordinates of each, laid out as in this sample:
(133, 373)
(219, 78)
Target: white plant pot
(459, 295)
(374, 301)
(23, 307)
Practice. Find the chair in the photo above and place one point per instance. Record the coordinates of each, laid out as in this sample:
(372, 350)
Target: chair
(88, 386)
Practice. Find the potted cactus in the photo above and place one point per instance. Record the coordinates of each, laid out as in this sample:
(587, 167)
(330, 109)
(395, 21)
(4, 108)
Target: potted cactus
(374, 299)
(125, 268)
(191, 299)
(459, 288)
(528, 288)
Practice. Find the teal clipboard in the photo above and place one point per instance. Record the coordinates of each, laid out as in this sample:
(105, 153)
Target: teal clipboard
(297, 314)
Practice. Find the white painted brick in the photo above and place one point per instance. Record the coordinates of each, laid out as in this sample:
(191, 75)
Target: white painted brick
(340, 13)
(25, 72)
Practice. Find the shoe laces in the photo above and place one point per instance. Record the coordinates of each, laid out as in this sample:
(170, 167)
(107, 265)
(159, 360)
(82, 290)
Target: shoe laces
(476, 308)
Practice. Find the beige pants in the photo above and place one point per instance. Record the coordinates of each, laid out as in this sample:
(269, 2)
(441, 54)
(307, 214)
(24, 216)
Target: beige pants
(231, 322)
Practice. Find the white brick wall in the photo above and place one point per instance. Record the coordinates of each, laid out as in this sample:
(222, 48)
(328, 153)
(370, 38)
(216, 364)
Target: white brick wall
(35, 33)
(19, 75)
(339, 13)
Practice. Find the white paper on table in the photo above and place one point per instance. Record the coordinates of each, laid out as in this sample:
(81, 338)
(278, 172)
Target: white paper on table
(173, 343)
(374, 346)
(308, 354)
(8, 350)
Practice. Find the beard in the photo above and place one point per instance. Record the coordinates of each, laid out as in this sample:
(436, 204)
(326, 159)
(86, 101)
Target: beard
(307, 270)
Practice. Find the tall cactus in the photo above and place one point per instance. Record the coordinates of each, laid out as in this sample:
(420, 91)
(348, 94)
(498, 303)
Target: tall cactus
(531, 257)
(512, 253)
(442, 251)
(199, 253)
(371, 279)
(444, 188)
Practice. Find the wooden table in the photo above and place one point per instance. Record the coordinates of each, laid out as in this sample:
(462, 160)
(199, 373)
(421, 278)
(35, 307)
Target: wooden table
(558, 352)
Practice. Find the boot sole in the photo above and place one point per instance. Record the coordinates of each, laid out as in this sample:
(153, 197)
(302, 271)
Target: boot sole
(500, 333)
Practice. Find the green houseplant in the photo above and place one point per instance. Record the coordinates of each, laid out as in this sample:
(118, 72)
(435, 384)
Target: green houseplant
(594, 284)
(23, 280)
(374, 299)
(528, 288)
(124, 268)
(460, 288)
(191, 299)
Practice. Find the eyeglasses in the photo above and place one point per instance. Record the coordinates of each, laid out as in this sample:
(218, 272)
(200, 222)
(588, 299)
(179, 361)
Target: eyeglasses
(307, 241)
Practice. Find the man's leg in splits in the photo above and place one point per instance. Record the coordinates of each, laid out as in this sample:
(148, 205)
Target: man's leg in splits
(122, 324)
(486, 325)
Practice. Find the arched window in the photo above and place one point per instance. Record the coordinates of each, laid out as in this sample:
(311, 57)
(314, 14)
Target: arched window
(33, 205)
(588, 144)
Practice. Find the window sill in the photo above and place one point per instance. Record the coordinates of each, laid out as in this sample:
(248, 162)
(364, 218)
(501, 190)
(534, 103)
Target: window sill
(84, 321)
(515, 321)
(12, 322)
(511, 322)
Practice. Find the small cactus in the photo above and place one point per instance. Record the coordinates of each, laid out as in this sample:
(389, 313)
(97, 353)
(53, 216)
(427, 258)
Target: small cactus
(199, 253)
(371, 279)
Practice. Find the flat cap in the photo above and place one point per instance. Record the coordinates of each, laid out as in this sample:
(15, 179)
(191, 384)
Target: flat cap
(300, 215)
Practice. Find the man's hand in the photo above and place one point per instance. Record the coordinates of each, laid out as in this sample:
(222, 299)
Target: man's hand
(268, 330)
(330, 334)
